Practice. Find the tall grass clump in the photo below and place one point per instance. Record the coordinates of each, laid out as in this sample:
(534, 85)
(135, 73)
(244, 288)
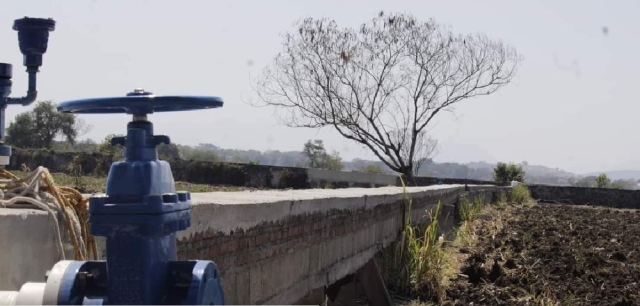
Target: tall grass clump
(502, 199)
(470, 211)
(520, 194)
(420, 259)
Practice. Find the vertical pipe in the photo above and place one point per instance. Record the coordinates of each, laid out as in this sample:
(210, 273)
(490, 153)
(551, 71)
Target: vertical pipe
(2, 122)
(32, 93)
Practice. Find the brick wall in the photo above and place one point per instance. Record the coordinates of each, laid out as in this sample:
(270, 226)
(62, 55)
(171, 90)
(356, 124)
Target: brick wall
(303, 241)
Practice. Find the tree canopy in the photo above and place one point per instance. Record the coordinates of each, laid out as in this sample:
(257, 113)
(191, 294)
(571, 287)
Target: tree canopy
(318, 157)
(602, 181)
(39, 127)
(504, 173)
(381, 84)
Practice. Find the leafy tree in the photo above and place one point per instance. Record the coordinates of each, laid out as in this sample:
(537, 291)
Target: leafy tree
(168, 152)
(602, 181)
(503, 173)
(318, 157)
(624, 184)
(87, 145)
(381, 84)
(39, 127)
(200, 153)
(588, 182)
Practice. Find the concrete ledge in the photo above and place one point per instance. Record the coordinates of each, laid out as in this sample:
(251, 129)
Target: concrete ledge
(225, 212)
(27, 246)
(272, 247)
(287, 244)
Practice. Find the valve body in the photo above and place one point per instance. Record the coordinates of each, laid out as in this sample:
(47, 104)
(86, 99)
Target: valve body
(139, 215)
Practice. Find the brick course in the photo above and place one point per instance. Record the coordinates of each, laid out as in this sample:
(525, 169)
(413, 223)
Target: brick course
(267, 261)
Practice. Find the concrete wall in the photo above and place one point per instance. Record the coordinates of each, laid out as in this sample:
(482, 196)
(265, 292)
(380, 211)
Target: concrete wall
(617, 198)
(272, 247)
(27, 246)
(428, 181)
(351, 178)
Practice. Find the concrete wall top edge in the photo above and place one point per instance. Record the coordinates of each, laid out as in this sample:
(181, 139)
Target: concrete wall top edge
(242, 210)
(271, 196)
(21, 213)
(223, 212)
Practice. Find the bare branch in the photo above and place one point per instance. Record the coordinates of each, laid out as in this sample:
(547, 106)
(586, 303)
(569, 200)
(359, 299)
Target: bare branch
(381, 84)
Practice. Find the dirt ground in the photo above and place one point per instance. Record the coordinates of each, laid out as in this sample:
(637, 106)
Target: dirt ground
(551, 254)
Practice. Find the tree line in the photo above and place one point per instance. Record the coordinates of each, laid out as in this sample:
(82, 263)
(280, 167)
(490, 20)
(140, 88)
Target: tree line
(45, 128)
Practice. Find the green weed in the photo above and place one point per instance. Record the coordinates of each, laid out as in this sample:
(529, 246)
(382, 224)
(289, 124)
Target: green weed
(421, 260)
(520, 194)
(470, 211)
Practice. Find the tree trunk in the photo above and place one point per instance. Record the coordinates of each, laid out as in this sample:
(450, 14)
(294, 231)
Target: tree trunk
(407, 175)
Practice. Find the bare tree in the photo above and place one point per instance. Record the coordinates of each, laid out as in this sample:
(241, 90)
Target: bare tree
(381, 84)
(425, 147)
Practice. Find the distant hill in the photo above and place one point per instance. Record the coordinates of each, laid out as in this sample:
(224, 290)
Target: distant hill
(484, 171)
(474, 170)
(618, 174)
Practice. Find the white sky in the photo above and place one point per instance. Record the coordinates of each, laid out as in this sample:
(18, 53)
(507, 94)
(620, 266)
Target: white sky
(572, 106)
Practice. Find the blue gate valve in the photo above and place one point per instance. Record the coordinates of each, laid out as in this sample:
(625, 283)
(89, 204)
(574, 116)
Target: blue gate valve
(139, 215)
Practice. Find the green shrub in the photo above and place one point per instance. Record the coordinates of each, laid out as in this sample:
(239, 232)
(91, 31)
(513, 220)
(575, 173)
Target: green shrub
(504, 173)
(520, 194)
(106, 148)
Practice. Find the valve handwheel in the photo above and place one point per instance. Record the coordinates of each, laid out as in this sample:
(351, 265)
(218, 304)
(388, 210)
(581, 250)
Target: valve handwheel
(140, 214)
(139, 102)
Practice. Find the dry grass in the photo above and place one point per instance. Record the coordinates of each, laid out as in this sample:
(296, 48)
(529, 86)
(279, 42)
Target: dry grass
(434, 265)
(419, 265)
(97, 184)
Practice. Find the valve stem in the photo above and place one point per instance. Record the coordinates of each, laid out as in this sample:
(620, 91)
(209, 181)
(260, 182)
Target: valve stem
(140, 117)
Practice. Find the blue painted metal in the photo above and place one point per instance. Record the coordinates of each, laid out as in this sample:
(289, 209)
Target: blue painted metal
(33, 37)
(136, 103)
(5, 91)
(140, 215)
(187, 283)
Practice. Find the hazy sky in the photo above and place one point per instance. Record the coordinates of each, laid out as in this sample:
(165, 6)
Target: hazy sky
(573, 104)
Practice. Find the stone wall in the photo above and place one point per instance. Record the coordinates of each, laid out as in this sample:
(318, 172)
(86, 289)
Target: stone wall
(617, 198)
